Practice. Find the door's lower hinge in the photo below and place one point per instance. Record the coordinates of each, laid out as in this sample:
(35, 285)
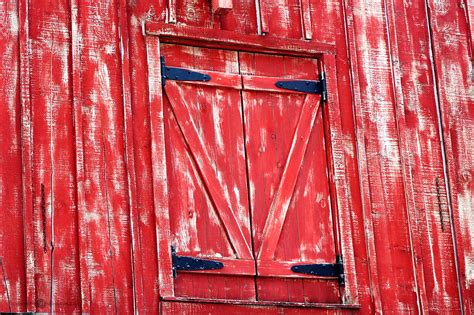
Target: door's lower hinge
(306, 86)
(180, 74)
(192, 263)
(323, 270)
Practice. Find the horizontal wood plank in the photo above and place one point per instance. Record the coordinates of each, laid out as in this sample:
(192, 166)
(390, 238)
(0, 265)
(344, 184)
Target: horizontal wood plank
(180, 34)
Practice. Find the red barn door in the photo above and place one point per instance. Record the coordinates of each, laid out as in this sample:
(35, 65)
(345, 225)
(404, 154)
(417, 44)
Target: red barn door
(208, 198)
(247, 177)
(288, 179)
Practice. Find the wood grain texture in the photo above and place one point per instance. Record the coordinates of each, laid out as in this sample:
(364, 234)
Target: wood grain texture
(53, 182)
(429, 218)
(139, 12)
(12, 251)
(449, 34)
(82, 205)
(386, 228)
(105, 224)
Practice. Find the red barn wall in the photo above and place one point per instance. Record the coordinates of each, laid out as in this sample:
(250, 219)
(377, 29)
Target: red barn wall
(77, 220)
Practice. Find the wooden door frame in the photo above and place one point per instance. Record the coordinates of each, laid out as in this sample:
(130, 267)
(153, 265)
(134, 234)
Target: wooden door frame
(158, 33)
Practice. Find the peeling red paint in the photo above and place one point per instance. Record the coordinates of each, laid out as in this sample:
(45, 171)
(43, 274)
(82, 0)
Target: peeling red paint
(93, 163)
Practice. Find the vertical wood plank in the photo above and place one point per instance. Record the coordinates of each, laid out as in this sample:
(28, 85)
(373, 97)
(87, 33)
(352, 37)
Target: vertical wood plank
(137, 259)
(106, 227)
(422, 157)
(54, 191)
(469, 9)
(453, 75)
(337, 27)
(79, 150)
(26, 144)
(379, 160)
(306, 26)
(340, 151)
(138, 12)
(262, 17)
(12, 250)
(160, 185)
(171, 12)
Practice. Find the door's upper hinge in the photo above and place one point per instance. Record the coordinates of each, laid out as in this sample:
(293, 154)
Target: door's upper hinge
(192, 263)
(307, 86)
(323, 270)
(180, 74)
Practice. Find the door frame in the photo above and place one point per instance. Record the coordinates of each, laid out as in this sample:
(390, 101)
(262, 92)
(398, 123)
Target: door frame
(158, 33)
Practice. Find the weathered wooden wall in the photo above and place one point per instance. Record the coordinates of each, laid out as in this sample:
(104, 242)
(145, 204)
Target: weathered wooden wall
(77, 219)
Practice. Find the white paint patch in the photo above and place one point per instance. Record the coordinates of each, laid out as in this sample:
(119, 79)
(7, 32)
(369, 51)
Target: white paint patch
(216, 116)
(13, 22)
(466, 214)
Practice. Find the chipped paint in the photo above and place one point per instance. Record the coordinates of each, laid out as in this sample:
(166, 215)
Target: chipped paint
(83, 119)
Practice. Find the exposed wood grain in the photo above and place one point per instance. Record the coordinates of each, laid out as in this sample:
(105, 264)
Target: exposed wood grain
(453, 76)
(281, 199)
(387, 230)
(181, 34)
(171, 12)
(306, 23)
(106, 227)
(422, 158)
(212, 306)
(82, 187)
(160, 185)
(57, 288)
(469, 11)
(12, 248)
(138, 13)
(26, 154)
(212, 183)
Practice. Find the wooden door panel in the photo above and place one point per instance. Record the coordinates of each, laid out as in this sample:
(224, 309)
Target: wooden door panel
(208, 197)
(288, 179)
(235, 130)
(204, 124)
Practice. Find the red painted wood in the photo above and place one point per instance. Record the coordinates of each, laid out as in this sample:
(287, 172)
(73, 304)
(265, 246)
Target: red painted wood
(214, 307)
(306, 23)
(26, 148)
(199, 151)
(422, 157)
(105, 224)
(221, 6)
(269, 155)
(469, 9)
(160, 185)
(93, 143)
(281, 200)
(450, 48)
(12, 249)
(54, 191)
(171, 11)
(208, 206)
(381, 163)
(141, 138)
(180, 34)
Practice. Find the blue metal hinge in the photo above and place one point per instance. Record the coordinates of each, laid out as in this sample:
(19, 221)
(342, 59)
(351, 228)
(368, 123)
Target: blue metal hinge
(180, 74)
(307, 86)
